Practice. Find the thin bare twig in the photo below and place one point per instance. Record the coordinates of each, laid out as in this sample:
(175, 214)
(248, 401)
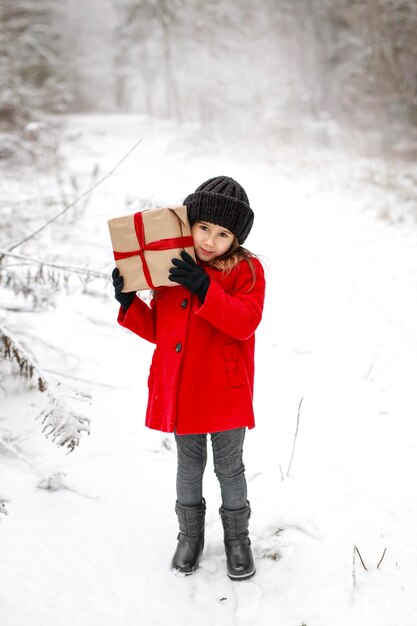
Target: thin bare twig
(81, 380)
(295, 436)
(67, 268)
(381, 559)
(360, 556)
(354, 567)
(8, 445)
(77, 199)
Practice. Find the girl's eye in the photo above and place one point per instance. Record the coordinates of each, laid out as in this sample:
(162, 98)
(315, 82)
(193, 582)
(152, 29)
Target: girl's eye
(224, 234)
(203, 227)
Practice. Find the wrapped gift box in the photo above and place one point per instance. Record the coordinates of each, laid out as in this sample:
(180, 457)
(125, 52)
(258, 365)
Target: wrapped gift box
(145, 242)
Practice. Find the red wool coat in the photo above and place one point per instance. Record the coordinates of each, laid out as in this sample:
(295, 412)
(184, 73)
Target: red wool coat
(202, 371)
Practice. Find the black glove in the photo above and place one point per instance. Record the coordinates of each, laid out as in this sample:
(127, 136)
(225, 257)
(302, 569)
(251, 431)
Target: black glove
(125, 299)
(190, 275)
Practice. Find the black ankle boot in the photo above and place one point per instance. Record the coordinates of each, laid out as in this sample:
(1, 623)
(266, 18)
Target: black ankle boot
(190, 538)
(240, 564)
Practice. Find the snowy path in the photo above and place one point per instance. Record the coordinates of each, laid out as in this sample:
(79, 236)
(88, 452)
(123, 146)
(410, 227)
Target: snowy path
(338, 330)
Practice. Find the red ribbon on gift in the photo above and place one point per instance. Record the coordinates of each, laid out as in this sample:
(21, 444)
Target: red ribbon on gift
(160, 244)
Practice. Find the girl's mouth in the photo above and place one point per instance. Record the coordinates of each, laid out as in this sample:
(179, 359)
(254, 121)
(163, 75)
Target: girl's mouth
(206, 252)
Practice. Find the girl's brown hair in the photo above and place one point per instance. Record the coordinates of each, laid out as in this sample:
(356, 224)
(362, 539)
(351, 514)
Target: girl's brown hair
(236, 253)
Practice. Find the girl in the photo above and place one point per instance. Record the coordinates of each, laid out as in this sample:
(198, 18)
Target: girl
(202, 371)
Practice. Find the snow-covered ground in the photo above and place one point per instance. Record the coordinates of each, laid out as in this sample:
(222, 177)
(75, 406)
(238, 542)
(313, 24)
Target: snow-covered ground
(338, 332)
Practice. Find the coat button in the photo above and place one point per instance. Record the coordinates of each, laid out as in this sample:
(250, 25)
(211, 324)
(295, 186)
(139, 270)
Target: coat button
(184, 303)
(178, 347)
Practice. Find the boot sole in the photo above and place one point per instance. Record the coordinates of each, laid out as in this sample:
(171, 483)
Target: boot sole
(186, 571)
(178, 571)
(242, 576)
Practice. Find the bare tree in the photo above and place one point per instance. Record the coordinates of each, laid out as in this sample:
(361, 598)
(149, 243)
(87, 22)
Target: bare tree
(32, 77)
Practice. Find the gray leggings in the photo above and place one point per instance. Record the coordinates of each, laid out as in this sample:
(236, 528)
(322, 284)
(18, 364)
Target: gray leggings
(228, 466)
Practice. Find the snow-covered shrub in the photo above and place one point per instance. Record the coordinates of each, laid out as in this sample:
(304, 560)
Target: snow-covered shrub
(61, 423)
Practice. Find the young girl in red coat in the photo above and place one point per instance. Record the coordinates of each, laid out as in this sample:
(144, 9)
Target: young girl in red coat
(202, 371)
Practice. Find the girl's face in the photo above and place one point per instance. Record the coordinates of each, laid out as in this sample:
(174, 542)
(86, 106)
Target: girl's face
(210, 240)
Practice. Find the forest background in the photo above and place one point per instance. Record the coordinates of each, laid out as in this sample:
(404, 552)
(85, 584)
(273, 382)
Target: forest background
(262, 70)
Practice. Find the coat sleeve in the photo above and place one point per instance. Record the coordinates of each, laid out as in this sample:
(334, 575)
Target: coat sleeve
(236, 314)
(140, 319)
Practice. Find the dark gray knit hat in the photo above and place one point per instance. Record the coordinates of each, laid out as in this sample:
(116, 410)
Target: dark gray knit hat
(221, 200)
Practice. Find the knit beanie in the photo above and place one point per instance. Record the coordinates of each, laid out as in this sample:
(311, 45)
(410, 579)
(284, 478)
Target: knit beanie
(222, 201)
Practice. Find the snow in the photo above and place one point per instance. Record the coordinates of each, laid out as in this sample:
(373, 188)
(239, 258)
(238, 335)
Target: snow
(89, 536)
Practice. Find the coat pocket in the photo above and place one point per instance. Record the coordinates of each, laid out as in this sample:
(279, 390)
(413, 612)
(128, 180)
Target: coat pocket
(231, 361)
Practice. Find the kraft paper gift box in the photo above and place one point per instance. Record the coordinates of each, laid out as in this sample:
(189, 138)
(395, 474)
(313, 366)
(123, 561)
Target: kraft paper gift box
(145, 242)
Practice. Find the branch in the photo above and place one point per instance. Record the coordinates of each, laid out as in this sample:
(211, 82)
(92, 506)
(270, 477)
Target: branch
(295, 436)
(56, 482)
(67, 268)
(82, 380)
(61, 423)
(381, 559)
(355, 548)
(77, 199)
(13, 351)
(9, 444)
